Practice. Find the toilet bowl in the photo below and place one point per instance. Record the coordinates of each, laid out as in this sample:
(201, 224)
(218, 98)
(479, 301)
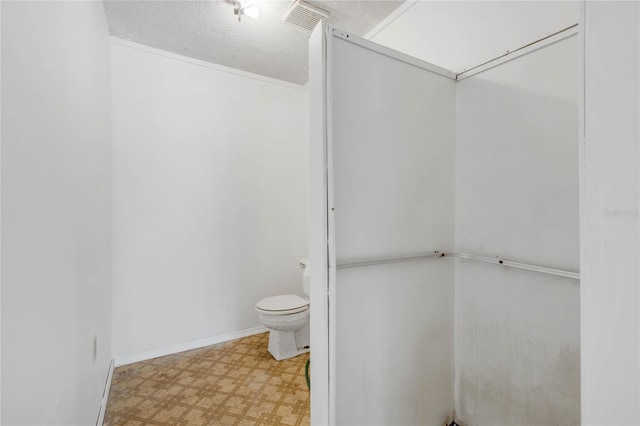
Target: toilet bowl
(287, 318)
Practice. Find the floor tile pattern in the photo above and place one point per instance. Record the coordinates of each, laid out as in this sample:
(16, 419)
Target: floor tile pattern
(233, 383)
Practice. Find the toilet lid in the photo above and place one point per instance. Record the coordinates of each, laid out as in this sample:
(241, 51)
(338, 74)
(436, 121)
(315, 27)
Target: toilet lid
(282, 303)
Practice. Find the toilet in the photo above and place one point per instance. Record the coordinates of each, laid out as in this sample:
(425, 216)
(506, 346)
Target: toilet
(287, 318)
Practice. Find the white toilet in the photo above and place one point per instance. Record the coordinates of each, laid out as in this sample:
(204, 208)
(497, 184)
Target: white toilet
(287, 318)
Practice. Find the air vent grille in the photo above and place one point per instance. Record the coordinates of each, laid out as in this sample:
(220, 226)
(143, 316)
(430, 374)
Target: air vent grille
(304, 15)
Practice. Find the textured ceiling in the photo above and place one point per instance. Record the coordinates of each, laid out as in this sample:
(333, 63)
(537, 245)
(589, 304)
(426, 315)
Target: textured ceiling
(208, 30)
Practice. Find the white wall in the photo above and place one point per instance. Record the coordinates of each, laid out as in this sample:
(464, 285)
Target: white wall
(210, 178)
(609, 215)
(393, 168)
(55, 212)
(518, 332)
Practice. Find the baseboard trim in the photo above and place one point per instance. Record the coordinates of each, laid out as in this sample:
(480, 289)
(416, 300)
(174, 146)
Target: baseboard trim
(208, 341)
(105, 395)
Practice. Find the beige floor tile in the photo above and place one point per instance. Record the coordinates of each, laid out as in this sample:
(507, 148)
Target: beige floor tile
(234, 383)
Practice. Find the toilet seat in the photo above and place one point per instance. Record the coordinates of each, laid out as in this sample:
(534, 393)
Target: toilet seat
(282, 305)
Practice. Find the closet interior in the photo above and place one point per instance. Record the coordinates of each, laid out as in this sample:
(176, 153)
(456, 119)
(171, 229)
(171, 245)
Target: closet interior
(447, 227)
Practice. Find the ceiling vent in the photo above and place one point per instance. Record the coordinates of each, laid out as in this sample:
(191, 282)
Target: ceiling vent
(304, 15)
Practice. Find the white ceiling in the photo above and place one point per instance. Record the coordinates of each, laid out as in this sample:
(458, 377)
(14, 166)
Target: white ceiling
(208, 30)
(459, 35)
(455, 35)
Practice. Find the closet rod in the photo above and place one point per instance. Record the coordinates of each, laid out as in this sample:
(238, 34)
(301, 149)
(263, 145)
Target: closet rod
(503, 262)
(437, 254)
(382, 261)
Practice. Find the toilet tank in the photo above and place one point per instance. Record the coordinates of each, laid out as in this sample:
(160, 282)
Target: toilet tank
(306, 276)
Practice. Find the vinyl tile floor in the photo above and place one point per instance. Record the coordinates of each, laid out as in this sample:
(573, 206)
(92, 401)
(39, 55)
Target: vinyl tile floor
(233, 383)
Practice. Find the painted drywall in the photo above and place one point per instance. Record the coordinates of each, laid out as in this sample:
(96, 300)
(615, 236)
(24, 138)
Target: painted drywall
(393, 153)
(210, 193)
(517, 333)
(610, 247)
(56, 213)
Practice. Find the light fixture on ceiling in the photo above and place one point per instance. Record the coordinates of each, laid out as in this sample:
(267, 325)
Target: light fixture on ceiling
(244, 8)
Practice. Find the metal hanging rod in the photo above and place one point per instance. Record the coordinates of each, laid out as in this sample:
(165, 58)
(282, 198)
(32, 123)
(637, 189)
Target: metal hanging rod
(382, 261)
(499, 261)
(437, 254)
